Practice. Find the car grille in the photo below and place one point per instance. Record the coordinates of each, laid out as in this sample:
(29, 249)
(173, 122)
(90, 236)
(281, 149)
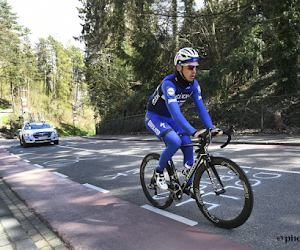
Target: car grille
(44, 134)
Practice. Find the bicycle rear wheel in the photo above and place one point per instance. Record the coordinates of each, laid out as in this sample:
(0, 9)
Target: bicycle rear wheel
(156, 196)
(232, 206)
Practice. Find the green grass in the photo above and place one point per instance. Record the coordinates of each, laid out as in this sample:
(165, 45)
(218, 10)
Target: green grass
(4, 104)
(4, 119)
(68, 130)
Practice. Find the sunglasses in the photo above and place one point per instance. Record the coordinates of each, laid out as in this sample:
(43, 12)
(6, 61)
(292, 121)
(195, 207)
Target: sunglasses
(190, 67)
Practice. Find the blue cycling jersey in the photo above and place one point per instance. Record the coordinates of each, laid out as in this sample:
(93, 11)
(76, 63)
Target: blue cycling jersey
(169, 96)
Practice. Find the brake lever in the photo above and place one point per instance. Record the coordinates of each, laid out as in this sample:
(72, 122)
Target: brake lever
(205, 134)
(210, 137)
(234, 133)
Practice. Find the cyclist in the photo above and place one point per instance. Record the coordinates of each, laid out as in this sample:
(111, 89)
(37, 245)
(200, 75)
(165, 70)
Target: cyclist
(165, 120)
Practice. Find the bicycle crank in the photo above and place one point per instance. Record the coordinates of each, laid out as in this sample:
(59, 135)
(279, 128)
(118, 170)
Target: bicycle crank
(176, 191)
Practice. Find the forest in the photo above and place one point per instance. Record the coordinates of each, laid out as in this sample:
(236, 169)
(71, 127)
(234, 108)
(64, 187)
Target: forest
(249, 60)
(248, 49)
(48, 75)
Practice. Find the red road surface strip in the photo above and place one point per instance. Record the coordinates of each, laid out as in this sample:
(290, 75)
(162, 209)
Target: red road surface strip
(89, 220)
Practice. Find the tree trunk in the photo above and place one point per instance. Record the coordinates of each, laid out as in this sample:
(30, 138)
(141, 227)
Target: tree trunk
(174, 23)
(214, 41)
(12, 96)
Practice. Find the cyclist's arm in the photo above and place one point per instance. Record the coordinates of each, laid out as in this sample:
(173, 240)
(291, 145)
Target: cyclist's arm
(169, 90)
(203, 114)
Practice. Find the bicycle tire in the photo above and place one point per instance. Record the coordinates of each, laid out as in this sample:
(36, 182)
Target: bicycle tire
(163, 198)
(228, 210)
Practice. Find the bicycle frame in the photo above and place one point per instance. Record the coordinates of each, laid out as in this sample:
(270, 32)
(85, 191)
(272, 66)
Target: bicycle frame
(203, 157)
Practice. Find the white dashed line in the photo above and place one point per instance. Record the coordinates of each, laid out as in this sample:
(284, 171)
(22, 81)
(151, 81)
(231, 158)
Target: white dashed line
(96, 188)
(26, 160)
(170, 215)
(59, 174)
(39, 166)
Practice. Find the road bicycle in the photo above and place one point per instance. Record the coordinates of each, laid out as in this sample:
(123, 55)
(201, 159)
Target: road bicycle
(227, 200)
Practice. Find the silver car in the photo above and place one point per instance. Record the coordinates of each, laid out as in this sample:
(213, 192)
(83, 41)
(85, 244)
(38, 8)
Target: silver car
(37, 132)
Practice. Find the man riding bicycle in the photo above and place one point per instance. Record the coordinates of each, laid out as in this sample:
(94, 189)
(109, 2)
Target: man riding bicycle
(165, 120)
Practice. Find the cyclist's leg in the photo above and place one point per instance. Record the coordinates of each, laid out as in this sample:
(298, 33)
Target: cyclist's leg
(160, 127)
(187, 152)
(188, 157)
(173, 143)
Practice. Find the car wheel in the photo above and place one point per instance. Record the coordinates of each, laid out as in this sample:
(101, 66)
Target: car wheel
(25, 145)
(21, 142)
(56, 142)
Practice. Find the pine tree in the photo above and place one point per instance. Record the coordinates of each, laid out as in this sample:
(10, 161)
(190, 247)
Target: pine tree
(10, 52)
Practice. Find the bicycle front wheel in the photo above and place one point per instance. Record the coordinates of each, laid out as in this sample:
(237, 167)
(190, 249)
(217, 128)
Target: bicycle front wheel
(227, 206)
(156, 196)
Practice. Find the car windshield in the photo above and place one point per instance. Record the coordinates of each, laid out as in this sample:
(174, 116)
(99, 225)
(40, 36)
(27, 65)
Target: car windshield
(38, 126)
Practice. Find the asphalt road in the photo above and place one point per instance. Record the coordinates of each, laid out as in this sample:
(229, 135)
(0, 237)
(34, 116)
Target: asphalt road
(113, 166)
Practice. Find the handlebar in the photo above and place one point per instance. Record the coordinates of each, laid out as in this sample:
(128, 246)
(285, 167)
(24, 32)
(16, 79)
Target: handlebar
(228, 133)
(208, 135)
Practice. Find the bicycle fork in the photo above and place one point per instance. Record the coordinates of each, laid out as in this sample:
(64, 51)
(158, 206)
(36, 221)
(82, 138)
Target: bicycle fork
(209, 166)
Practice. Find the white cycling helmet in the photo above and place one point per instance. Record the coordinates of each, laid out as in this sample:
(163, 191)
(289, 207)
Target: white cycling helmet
(186, 55)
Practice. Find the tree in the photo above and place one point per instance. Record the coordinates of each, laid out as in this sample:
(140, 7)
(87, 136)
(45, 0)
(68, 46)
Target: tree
(236, 41)
(282, 23)
(10, 33)
(62, 81)
(44, 65)
(78, 83)
(28, 67)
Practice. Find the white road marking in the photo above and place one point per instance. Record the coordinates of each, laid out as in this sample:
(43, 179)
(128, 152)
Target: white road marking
(297, 150)
(263, 175)
(59, 174)
(170, 215)
(96, 188)
(278, 170)
(184, 202)
(245, 167)
(26, 160)
(39, 166)
(106, 151)
(114, 176)
(59, 162)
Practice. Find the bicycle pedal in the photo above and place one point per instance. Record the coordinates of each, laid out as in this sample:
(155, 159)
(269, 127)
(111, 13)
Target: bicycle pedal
(150, 186)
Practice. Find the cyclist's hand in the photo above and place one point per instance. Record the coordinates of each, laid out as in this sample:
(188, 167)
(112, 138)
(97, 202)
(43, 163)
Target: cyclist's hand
(218, 131)
(199, 132)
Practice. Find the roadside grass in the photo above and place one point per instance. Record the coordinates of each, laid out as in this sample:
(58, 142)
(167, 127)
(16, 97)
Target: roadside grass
(68, 130)
(56, 113)
(4, 120)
